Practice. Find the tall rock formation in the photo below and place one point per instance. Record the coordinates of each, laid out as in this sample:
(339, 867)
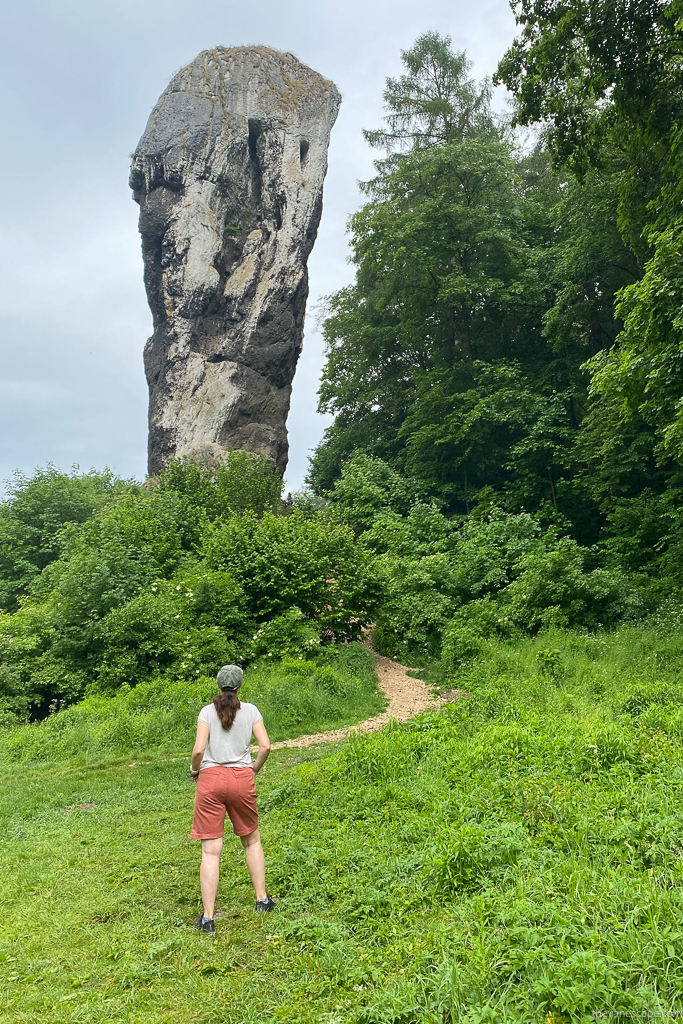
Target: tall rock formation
(229, 177)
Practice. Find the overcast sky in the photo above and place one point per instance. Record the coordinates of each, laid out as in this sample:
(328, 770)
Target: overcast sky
(79, 79)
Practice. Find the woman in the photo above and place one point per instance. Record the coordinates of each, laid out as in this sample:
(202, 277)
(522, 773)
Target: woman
(221, 765)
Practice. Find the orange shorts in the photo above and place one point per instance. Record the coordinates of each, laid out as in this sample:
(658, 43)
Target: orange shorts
(224, 789)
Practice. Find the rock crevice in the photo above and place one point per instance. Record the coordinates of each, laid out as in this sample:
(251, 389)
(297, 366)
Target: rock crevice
(229, 177)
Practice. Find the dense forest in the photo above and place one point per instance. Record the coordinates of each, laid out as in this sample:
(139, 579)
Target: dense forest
(513, 333)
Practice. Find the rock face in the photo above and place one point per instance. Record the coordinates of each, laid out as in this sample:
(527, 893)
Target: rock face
(229, 177)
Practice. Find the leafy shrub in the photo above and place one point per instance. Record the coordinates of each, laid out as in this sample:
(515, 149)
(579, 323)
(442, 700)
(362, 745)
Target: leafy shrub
(111, 557)
(286, 635)
(554, 587)
(667, 718)
(420, 598)
(149, 584)
(367, 488)
(13, 697)
(294, 562)
(33, 516)
(155, 632)
(240, 482)
(447, 588)
(557, 587)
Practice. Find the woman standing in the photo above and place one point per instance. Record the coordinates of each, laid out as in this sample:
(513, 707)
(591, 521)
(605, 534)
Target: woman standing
(221, 765)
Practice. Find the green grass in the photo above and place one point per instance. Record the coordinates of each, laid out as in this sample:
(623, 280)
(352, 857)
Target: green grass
(336, 688)
(516, 855)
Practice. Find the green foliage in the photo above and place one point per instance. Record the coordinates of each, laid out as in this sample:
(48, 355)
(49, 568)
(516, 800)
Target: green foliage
(490, 425)
(553, 586)
(367, 487)
(32, 519)
(240, 482)
(305, 501)
(473, 853)
(142, 538)
(642, 374)
(170, 579)
(440, 256)
(514, 324)
(484, 280)
(588, 69)
(589, 261)
(605, 80)
(644, 534)
(495, 574)
(184, 628)
(296, 562)
(286, 635)
(434, 103)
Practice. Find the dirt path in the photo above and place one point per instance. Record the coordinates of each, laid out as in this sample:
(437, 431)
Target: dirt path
(407, 697)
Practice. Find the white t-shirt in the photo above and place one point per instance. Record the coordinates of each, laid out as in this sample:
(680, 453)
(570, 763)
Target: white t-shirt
(229, 748)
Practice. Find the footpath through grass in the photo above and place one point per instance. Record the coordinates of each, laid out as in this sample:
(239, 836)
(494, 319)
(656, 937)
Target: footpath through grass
(295, 696)
(514, 857)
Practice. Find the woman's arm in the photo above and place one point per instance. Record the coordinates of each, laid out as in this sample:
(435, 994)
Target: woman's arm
(261, 737)
(199, 747)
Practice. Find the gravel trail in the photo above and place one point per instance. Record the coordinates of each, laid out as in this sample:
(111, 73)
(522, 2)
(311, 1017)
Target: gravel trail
(407, 697)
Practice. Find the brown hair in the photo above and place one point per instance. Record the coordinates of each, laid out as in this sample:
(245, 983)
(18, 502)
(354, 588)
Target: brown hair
(227, 704)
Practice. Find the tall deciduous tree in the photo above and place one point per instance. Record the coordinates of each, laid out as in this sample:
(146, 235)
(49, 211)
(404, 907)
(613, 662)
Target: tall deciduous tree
(605, 76)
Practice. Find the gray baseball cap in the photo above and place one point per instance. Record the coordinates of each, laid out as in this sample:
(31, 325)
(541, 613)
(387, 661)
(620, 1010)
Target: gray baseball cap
(230, 677)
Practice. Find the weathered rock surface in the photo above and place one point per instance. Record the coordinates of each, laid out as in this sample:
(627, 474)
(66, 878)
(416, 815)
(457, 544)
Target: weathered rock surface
(229, 177)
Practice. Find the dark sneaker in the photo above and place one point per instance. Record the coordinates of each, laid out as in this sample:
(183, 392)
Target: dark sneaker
(205, 924)
(265, 906)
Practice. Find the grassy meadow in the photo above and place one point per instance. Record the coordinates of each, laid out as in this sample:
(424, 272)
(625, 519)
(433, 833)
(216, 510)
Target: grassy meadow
(514, 857)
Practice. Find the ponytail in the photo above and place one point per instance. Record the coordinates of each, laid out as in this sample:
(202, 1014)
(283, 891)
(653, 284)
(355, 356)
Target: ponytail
(227, 704)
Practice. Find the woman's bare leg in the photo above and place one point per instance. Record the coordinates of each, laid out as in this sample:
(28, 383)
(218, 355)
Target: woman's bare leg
(209, 873)
(256, 862)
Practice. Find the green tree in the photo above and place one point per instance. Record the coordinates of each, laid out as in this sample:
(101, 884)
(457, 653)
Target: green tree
(33, 517)
(604, 77)
(598, 73)
(440, 259)
(435, 103)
